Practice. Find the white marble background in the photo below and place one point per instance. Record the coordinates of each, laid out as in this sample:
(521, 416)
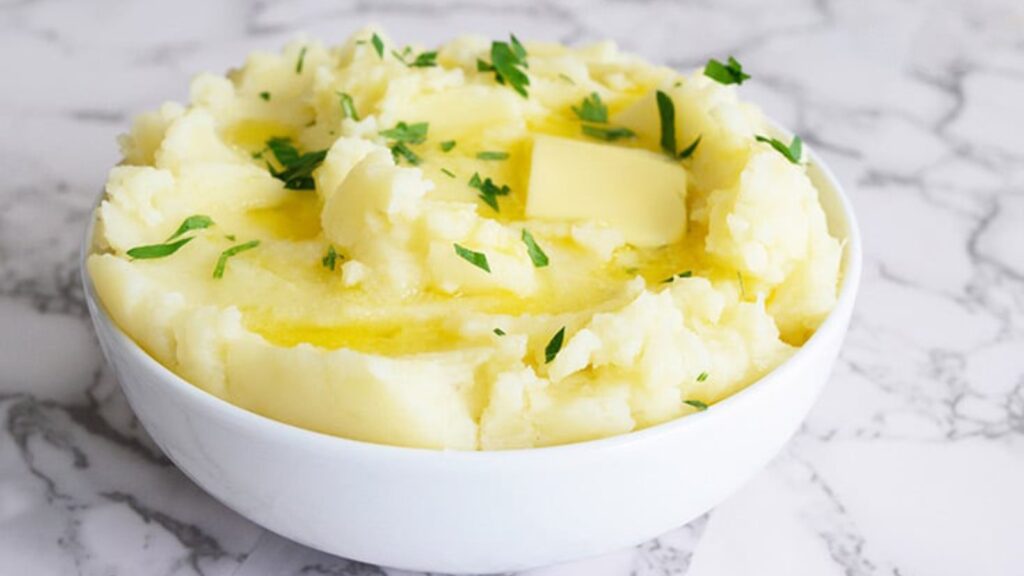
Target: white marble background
(911, 464)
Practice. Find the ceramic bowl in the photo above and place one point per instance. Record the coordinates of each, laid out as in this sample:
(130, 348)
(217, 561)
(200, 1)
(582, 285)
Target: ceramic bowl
(462, 512)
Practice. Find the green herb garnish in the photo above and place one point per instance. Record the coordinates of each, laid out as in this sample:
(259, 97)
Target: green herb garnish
(265, 96)
(539, 258)
(158, 250)
(492, 155)
(448, 172)
(702, 376)
(447, 145)
(348, 106)
(297, 169)
(378, 45)
(696, 404)
(607, 133)
(401, 150)
(194, 222)
(592, 109)
(411, 133)
(793, 152)
(499, 331)
(689, 150)
(554, 346)
(667, 114)
(222, 261)
(301, 62)
(331, 259)
(489, 191)
(478, 259)
(423, 60)
(508, 62)
(566, 77)
(743, 289)
(672, 278)
(730, 73)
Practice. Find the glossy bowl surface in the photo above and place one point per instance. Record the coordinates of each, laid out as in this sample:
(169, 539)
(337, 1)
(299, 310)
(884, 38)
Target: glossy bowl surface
(482, 512)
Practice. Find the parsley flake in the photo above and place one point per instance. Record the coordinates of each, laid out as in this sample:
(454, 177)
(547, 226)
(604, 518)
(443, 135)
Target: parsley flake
(448, 172)
(499, 331)
(265, 96)
(492, 155)
(411, 133)
(567, 78)
(607, 133)
(158, 250)
(301, 62)
(686, 274)
(330, 260)
(537, 256)
(378, 45)
(423, 60)
(592, 109)
(554, 346)
(489, 191)
(478, 259)
(348, 106)
(667, 114)
(730, 73)
(194, 222)
(297, 169)
(702, 376)
(401, 150)
(508, 62)
(689, 150)
(222, 261)
(447, 145)
(696, 404)
(793, 152)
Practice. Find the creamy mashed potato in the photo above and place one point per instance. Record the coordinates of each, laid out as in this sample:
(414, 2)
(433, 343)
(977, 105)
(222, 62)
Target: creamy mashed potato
(420, 249)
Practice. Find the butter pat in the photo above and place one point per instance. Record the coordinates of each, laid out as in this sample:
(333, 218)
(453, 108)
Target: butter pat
(634, 191)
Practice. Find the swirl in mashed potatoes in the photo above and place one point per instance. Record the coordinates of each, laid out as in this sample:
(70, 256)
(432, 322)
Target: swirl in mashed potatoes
(420, 249)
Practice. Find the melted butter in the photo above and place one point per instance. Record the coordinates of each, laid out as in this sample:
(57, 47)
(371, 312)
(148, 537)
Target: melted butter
(381, 336)
(252, 134)
(296, 218)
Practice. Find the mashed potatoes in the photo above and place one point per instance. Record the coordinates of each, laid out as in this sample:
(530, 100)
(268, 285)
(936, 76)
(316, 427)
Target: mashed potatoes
(426, 250)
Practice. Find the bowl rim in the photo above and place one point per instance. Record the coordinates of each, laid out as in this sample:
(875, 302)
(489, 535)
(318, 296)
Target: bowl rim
(851, 263)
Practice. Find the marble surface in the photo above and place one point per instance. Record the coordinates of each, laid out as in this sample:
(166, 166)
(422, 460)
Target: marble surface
(912, 463)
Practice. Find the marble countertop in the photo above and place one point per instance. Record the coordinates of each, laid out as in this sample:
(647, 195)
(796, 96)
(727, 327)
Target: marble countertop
(912, 463)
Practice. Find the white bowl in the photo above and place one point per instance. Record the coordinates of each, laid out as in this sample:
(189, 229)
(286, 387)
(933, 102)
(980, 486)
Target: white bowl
(459, 512)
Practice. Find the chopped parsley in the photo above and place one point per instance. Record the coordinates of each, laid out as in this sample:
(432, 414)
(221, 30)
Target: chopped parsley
(348, 106)
(478, 259)
(702, 376)
(423, 60)
(793, 152)
(401, 150)
(265, 95)
(447, 145)
(194, 222)
(667, 114)
(330, 260)
(554, 346)
(492, 155)
(508, 62)
(448, 172)
(158, 250)
(499, 331)
(378, 45)
(607, 133)
(696, 404)
(297, 169)
(672, 278)
(592, 109)
(730, 73)
(566, 77)
(689, 150)
(489, 191)
(301, 62)
(537, 256)
(411, 133)
(222, 261)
